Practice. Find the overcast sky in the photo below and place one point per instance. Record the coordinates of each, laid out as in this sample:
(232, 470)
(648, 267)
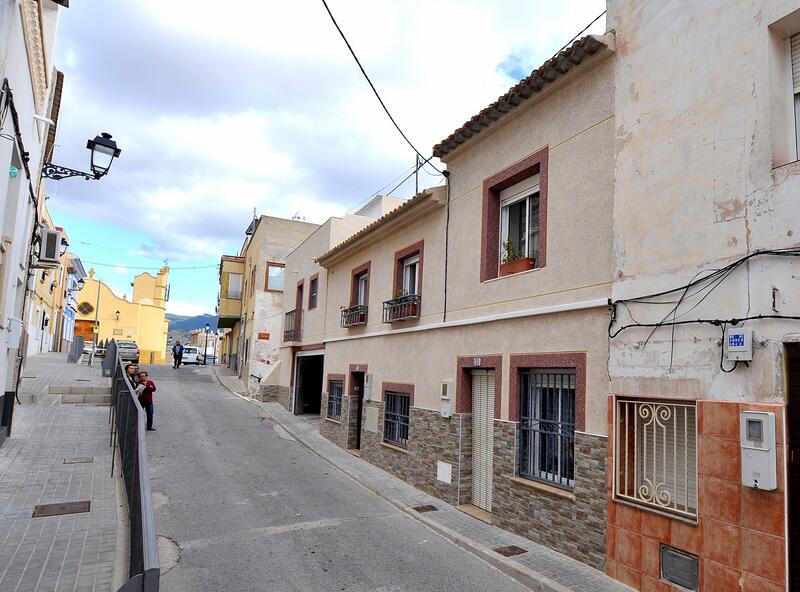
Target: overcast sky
(220, 108)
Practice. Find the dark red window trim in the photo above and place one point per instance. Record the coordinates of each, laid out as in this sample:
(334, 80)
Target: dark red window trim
(562, 360)
(311, 291)
(398, 387)
(490, 231)
(400, 256)
(364, 267)
(465, 365)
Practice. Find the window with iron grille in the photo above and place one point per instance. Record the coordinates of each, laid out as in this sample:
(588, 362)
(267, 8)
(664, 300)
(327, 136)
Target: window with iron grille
(656, 455)
(547, 426)
(395, 418)
(335, 388)
(312, 293)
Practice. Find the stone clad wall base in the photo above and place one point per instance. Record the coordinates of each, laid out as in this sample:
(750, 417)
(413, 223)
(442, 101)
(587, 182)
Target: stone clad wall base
(335, 432)
(272, 392)
(432, 438)
(285, 397)
(575, 527)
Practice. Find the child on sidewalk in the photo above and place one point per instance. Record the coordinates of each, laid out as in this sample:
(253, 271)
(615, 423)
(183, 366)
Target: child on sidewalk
(146, 398)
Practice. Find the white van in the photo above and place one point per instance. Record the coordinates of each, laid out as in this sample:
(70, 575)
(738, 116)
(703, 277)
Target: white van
(190, 355)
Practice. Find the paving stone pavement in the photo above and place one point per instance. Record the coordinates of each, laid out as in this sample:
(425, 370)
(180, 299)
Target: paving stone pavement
(72, 552)
(46, 369)
(540, 565)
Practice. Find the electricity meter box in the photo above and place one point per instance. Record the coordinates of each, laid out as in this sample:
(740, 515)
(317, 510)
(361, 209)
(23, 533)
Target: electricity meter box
(757, 439)
(738, 344)
(446, 404)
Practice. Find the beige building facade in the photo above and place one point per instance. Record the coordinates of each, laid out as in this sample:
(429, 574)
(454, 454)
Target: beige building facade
(464, 345)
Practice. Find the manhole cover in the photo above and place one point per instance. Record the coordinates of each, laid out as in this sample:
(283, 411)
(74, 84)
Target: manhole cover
(78, 460)
(45, 510)
(510, 551)
(423, 509)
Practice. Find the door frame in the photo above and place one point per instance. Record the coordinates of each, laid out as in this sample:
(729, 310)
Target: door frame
(296, 386)
(490, 428)
(792, 510)
(357, 379)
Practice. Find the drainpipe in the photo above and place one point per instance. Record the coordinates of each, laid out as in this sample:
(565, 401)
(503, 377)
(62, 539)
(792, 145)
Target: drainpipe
(446, 174)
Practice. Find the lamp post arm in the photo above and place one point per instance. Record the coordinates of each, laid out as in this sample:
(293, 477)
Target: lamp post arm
(56, 172)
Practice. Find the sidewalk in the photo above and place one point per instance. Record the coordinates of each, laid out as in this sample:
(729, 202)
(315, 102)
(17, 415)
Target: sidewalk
(49, 373)
(56, 454)
(230, 380)
(539, 567)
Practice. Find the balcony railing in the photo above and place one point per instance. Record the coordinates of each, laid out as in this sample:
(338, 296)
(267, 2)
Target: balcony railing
(354, 316)
(292, 325)
(233, 294)
(402, 308)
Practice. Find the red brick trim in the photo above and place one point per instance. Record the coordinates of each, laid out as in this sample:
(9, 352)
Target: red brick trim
(490, 231)
(464, 365)
(311, 279)
(415, 249)
(298, 314)
(310, 346)
(565, 360)
(364, 267)
(336, 377)
(298, 296)
(350, 370)
(266, 276)
(398, 387)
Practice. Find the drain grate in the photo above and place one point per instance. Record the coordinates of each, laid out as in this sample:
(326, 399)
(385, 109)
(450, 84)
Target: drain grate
(510, 551)
(428, 508)
(78, 460)
(45, 510)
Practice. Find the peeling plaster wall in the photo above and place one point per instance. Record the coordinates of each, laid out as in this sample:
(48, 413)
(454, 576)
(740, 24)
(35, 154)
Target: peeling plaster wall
(698, 131)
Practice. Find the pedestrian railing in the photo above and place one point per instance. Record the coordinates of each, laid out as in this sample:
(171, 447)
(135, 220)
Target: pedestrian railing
(127, 420)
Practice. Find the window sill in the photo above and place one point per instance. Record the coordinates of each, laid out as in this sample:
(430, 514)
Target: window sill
(336, 421)
(394, 447)
(510, 275)
(539, 486)
(654, 510)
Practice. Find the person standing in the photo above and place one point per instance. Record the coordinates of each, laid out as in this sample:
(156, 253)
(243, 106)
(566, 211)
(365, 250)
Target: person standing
(132, 374)
(177, 354)
(146, 398)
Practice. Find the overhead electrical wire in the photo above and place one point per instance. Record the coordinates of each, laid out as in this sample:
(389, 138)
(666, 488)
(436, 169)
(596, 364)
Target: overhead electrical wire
(149, 266)
(372, 86)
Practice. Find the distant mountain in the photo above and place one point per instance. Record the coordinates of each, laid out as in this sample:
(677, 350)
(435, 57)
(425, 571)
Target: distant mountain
(184, 323)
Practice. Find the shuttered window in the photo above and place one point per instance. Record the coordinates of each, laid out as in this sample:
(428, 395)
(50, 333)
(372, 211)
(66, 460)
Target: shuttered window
(335, 388)
(482, 437)
(395, 418)
(794, 43)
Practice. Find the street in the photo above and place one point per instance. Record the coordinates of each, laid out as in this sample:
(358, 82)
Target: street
(251, 509)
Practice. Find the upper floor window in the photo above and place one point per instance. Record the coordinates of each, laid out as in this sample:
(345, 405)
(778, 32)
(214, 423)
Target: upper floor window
(234, 286)
(411, 274)
(519, 221)
(313, 287)
(514, 228)
(252, 281)
(275, 277)
(794, 44)
(361, 288)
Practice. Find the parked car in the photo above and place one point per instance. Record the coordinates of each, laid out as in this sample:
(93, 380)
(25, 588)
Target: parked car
(128, 351)
(206, 359)
(190, 355)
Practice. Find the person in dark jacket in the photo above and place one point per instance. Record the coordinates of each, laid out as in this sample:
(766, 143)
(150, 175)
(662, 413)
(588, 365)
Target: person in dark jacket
(146, 399)
(132, 374)
(177, 354)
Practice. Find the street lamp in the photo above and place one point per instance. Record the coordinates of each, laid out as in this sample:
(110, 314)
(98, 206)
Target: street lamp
(104, 150)
(205, 351)
(116, 315)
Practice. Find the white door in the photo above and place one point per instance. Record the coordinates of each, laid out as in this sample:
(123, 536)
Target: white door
(482, 437)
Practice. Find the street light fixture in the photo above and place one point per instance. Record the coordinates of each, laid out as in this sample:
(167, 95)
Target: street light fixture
(116, 315)
(104, 150)
(205, 351)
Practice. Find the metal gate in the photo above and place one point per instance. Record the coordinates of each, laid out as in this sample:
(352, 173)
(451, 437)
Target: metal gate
(482, 437)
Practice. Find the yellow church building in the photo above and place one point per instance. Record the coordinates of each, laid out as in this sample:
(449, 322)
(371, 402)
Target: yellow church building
(102, 315)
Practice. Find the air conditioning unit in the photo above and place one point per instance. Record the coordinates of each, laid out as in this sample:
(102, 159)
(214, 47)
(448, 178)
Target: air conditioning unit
(50, 246)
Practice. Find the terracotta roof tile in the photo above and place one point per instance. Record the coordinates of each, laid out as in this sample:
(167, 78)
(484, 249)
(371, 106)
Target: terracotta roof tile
(522, 91)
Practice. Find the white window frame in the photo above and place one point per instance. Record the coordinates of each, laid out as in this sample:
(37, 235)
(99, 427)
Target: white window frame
(524, 190)
(410, 263)
(362, 289)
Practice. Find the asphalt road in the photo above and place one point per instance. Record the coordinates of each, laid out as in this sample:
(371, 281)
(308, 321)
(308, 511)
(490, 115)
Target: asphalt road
(251, 510)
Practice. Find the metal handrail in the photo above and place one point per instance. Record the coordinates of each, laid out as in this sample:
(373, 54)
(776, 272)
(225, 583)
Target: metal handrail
(402, 308)
(128, 421)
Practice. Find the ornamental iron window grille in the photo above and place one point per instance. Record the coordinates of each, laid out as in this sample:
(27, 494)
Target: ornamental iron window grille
(656, 455)
(354, 316)
(395, 418)
(313, 289)
(290, 326)
(402, 308)
(547, 426)
(85, 308)
(335, 388)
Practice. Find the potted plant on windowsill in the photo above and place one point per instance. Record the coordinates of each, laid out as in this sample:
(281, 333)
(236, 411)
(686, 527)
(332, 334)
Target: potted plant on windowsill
(513, 261)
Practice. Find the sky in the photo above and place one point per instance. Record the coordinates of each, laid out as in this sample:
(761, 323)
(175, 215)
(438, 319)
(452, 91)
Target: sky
(221, 111)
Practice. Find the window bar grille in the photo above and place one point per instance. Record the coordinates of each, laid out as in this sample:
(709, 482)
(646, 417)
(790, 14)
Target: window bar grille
(335, 389)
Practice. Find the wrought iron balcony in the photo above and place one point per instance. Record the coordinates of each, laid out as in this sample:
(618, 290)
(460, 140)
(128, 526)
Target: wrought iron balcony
(292, 323)
(354, 316)
(402, 308)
